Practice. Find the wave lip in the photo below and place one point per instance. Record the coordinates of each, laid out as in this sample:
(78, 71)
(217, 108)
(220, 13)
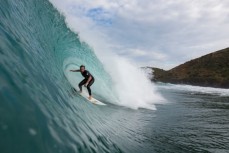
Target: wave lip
(126, 84)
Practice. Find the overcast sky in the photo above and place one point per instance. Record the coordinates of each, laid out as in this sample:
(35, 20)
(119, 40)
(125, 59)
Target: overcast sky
(160, 33)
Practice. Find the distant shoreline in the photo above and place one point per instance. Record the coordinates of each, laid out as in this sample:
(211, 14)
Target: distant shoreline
(211, 70)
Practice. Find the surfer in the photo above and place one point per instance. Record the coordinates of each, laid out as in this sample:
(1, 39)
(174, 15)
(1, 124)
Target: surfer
(87, 81)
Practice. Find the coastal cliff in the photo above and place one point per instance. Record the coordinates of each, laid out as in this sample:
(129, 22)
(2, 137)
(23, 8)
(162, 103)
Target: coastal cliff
(211, 70)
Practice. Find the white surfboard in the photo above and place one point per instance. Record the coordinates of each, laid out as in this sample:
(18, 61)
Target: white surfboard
(93, 100)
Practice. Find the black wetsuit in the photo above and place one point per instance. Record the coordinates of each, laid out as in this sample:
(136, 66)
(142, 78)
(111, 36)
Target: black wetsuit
(86, 74)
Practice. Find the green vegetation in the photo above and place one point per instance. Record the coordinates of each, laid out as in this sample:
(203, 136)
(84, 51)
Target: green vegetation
(210, 70)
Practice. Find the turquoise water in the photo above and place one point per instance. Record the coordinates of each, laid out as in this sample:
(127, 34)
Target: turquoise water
(40, 114)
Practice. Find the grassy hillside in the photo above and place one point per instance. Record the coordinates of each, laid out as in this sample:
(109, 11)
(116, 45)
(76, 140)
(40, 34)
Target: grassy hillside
(209, 70)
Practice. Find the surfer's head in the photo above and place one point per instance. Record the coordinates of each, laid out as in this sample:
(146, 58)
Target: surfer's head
(82, 68)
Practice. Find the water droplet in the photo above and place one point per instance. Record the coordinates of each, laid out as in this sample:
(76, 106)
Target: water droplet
(32, 132)
(4, 127)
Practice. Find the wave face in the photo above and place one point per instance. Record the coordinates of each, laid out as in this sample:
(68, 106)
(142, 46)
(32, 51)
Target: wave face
(38, 111)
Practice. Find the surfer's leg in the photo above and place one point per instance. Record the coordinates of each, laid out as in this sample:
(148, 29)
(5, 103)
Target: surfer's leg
(89, 85)
(82, 83)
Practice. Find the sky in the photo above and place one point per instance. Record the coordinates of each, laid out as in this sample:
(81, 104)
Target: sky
(157, 33)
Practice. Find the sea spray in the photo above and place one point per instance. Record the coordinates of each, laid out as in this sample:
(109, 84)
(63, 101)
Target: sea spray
(129, 85)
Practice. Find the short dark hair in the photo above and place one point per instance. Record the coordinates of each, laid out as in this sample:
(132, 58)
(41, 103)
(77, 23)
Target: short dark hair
(82, 66)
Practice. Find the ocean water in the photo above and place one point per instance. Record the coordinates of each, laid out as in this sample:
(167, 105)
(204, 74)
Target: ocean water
(39, 113)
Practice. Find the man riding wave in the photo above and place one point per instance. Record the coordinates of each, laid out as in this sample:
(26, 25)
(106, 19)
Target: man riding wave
(87, 81)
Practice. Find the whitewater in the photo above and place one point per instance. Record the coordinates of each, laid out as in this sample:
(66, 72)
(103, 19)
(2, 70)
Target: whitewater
(40, 43)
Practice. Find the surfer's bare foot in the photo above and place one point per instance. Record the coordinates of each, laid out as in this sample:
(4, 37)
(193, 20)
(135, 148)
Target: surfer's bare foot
(89, 97)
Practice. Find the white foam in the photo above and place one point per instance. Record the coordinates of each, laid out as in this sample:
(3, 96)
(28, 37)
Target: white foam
(130, 85)
(196, 89)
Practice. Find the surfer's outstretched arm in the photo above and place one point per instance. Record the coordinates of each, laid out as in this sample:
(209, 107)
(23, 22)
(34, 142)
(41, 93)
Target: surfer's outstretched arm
(75, 70)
